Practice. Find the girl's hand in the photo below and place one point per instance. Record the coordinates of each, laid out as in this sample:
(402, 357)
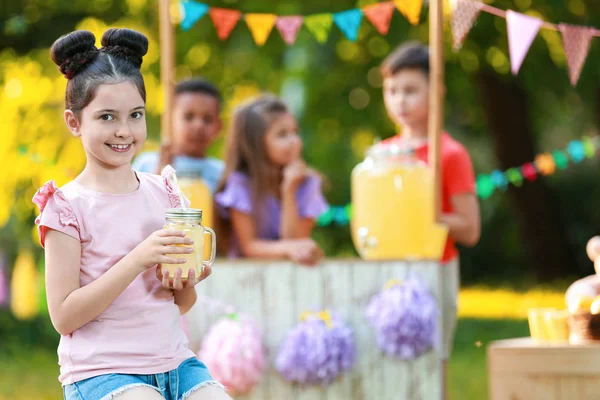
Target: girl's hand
(293, 174)
(306, 252)
(177, 283)
(155, 248)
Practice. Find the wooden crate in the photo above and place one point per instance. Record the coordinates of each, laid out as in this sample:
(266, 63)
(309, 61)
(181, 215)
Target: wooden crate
(520, 369)
(276, 293)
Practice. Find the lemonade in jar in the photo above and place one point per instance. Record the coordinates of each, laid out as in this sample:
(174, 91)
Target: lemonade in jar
(189, 220)
(393, 206)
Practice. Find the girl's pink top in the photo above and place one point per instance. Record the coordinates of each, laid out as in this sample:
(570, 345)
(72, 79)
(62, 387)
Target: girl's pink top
(140, 332)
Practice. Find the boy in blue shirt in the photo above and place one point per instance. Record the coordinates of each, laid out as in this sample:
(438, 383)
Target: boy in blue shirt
(196, 124)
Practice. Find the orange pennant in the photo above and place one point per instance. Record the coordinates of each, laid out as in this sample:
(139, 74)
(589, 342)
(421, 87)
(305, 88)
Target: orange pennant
(411, 9)
(380, 15)
(260, 25)
(224, 20)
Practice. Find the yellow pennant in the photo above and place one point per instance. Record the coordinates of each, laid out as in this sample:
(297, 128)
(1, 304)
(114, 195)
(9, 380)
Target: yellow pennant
(411, 9)
(324, 316)
(260, 25)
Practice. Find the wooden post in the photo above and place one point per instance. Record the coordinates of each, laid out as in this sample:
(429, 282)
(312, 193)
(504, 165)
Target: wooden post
(167, 66)
(436, 95)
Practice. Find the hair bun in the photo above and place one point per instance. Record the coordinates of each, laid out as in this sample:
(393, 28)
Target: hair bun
(72, 52)
(126, 44)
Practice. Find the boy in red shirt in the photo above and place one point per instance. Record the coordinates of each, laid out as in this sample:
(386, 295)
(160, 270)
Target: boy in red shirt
(406, 95)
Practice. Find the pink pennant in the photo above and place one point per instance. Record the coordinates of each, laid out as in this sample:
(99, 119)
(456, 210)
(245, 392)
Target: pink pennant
(289, 27)
(522, 30)
(576, 40)
(464, 15)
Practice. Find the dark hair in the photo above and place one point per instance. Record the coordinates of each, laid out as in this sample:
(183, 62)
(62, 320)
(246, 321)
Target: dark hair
(412, 55)
(87, 67)
(198, 85)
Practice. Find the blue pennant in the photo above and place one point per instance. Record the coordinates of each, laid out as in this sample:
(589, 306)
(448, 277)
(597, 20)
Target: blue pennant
(576, 150)
(192, 11)
(349, 22)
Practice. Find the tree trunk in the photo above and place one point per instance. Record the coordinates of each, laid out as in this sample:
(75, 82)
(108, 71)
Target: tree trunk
(540, 226)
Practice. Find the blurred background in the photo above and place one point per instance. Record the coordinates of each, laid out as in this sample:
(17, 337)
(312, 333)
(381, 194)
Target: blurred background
(534, 236)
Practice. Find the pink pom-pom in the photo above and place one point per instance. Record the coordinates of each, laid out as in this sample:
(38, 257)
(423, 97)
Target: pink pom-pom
(234, 353)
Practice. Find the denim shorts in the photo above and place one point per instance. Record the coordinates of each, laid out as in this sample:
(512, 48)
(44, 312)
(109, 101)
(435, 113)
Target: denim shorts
(177, 384)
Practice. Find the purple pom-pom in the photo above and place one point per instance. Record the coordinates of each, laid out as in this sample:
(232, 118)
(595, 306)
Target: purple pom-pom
(404, 317)
(317, 350)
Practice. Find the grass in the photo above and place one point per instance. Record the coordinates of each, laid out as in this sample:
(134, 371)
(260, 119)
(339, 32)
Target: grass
(485, 315)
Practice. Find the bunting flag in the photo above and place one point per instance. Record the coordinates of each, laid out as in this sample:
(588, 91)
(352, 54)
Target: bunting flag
(349, 22)
(464, 15)
(319, 25)
(522, 30)
(289, 27)
(411, 9)
(192, 13)
(260, 26)
(576, 41)
(224, 20)
(544, 164)
(380, 15)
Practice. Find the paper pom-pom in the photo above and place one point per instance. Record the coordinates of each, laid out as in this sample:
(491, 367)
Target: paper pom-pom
(404, 317)
(317, 350)
(234, 353)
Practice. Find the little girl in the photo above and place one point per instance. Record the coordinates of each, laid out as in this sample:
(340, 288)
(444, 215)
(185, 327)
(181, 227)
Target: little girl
(120, 326)
(268, 196)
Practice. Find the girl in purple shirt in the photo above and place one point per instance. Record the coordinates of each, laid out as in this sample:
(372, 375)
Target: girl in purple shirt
(269, 199)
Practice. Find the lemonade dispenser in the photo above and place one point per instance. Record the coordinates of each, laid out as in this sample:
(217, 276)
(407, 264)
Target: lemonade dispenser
(393, 207)
(199, 195)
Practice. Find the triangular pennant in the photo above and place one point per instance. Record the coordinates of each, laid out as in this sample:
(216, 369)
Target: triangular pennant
(464, 14)
(260, 25)
(576, 40)
(411, 9)
(522, 30)
(289, 27)
(380, 15)
(224, 20)
(192, 12)
(349, 22)
(319, 25)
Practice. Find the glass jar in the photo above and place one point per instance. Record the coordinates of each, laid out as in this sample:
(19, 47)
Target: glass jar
(189, 220)
(393, 206)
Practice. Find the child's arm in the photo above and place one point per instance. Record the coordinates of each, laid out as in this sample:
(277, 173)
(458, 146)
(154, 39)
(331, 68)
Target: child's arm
(70, 305)
(464, 225)
(292, 225)
(304, 251)
(185, 299)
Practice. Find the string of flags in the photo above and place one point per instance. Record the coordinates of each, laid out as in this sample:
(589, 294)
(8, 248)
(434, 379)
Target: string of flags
(319, 25)
(522, 29)
(544, 164)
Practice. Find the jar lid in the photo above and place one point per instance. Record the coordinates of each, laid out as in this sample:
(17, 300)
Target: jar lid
(184, 213)
(381, 150)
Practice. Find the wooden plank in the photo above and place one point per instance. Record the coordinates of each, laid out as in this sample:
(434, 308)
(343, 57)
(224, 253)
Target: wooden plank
(249, 295)
(280, 309)
(367, 377)
(337, 296)
(309, 297)
(393, 369)
(570, 388)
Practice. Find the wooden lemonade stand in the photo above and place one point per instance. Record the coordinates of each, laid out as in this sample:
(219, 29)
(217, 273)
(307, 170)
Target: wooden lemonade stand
(276, 293)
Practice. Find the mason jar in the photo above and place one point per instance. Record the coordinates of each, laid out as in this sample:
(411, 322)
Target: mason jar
(189, 220)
